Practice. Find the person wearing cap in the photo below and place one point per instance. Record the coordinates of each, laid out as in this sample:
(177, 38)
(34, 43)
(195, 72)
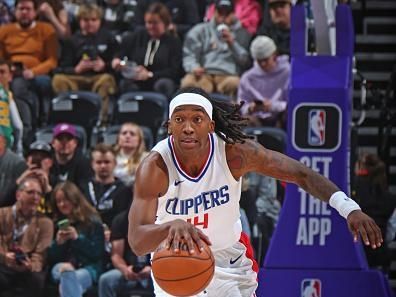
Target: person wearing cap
(278, 28)
(215, 53)
(187, 191)
(39, 161)
(11, 167)
(264, 87)
(69, 162)
(249, 12)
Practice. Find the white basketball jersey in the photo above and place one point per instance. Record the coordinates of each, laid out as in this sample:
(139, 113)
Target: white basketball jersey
(210, 200)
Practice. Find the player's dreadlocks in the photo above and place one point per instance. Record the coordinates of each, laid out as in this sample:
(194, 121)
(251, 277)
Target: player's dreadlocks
(228, 121)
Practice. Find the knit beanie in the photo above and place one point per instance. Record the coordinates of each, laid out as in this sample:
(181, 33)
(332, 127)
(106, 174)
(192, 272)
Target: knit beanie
(262, 47)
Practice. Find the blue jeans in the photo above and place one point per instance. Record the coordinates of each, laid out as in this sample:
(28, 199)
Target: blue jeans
(72, 283)
(113, 281)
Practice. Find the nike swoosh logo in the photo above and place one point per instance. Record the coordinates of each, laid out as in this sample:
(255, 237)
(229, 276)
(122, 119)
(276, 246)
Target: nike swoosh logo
(177, 182)
(233, 261)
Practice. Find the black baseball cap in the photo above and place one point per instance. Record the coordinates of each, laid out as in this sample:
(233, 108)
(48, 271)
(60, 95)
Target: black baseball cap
(224, 5)
(40, 146)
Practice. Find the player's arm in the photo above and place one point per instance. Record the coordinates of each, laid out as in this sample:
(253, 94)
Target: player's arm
(151, 182)
(253, 157)
(144, 236)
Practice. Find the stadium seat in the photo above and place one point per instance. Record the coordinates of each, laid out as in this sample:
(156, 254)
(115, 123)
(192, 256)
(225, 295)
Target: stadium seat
(110, 135)
(220, 97)
(148, 109)
(76, 107)
(45, 134)
(270, 137)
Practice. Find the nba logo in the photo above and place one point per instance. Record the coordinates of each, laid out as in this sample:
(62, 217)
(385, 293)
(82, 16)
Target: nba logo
(311, 288)
(316, 127)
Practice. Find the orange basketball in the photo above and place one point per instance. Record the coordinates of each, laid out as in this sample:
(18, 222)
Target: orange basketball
(183, 274)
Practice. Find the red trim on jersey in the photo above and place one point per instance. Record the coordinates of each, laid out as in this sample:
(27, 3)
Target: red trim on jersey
(244, 239)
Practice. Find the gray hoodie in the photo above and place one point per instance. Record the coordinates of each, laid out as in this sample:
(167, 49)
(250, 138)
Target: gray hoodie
(204, 48)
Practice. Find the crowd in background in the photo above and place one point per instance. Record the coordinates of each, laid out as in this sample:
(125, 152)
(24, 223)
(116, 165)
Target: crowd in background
(63, 214)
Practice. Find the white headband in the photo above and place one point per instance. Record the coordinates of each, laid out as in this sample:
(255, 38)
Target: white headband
(193, 99)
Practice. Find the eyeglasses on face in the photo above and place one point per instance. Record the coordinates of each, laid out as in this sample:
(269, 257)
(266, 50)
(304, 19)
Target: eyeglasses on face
(33, 192)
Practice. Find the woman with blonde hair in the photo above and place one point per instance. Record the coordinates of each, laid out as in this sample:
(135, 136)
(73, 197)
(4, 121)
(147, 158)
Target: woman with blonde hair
(130, 151)
(78, 248)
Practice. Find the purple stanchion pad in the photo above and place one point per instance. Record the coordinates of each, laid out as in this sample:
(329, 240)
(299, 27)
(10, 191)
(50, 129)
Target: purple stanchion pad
(312, 253)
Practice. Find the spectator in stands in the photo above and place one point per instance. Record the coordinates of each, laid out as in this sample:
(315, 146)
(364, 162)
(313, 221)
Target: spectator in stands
(130, 271)
(215, 53)
(10, 119)
(391, 230)
(52, 11)
(264, 87)
(69, 163)
(86, 60)
(6, 15)
(279, 27)
(157, 55)
(104, 191)
(248, 12)
(11, 167)
(23, 108)
(119, 16)
(371, 188)
(24, 237)
(184, 15)
(262, 204)
(35, 59)
(39, 161)
(78, 247)
(130, 151)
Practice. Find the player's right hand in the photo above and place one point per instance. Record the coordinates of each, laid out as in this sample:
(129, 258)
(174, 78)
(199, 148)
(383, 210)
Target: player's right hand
(360, 223)
(182, 233)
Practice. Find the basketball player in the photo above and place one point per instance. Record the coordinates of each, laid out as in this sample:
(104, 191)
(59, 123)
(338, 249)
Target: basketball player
(187, 191)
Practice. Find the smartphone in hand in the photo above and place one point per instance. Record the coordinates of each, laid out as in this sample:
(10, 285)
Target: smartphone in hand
(63, 224)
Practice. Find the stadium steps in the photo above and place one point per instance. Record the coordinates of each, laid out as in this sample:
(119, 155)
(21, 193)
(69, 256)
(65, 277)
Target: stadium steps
(375, 43)
(379, 25)
(375, 53)
(376, 61)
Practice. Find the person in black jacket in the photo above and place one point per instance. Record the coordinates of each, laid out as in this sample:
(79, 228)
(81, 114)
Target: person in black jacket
(184, 14)
(278, 28)
(85, 62)
(156, 53)
(130, 271)
(69, 163)
(104, 191)
(371, 187)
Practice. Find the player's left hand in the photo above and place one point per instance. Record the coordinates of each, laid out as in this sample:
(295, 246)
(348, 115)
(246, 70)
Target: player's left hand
(360, 223)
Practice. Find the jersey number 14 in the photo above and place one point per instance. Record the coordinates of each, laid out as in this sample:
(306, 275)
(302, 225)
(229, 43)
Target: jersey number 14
(197, 221)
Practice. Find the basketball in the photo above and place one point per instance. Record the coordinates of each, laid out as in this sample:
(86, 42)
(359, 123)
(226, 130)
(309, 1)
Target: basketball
(183, 274)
